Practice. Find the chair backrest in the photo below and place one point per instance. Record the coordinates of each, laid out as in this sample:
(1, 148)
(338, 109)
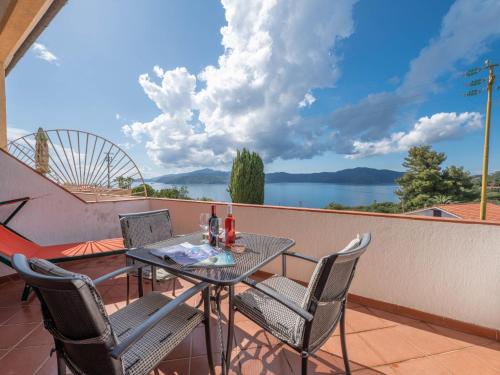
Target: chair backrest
(144, 228)
(327, 291)
(74, 314)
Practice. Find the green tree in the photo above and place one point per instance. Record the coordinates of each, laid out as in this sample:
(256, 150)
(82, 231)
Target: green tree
(139, 190)
(124, 182)
(441, 199)
(336, 206)
(494, 178)
(173, 192)
(246, 184)
(423, 179)
(459, 185)
(425, 182)
(384, 207)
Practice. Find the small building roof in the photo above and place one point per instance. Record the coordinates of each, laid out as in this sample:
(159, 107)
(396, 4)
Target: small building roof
(470, 211)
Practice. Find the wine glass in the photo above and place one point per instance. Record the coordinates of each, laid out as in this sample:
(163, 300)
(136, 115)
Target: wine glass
(204, 226)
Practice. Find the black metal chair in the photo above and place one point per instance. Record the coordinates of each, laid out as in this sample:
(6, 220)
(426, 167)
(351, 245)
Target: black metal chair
(142, 229)
(305, 317)
(131, 341)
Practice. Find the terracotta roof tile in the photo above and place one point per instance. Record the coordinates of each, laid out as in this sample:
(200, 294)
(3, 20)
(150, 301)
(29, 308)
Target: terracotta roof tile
(470, 211)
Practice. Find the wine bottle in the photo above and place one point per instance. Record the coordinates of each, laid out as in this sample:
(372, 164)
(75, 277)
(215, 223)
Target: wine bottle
(229, 226)
(213, 228)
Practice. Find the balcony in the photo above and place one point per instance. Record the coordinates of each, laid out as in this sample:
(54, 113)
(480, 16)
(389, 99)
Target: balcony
(379, 342)
(424, 298)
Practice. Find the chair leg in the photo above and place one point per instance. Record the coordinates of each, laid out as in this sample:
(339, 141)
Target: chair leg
(26, 292)
(140, 283)
(128, 288)
(61, 365)
(206, 300)
(230, 327)
(153, 278)
(305, 357)
(343, 342)
(173, 286)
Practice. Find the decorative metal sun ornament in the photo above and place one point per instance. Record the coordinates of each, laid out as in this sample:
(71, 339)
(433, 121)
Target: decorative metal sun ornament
(80, 161)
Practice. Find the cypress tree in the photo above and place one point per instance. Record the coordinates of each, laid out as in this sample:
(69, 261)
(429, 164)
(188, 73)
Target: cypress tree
(246, 184)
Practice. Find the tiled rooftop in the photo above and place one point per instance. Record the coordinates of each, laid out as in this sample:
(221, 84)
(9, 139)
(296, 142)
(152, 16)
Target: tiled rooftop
(378, 342)
(470, 211)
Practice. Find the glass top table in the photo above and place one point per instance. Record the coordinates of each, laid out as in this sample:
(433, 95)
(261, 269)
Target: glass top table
(258, 251)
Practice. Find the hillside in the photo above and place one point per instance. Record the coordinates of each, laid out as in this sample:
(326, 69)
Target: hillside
(355, 176)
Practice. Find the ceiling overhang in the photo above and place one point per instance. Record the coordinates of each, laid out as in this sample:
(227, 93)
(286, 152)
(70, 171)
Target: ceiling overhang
(21, 23)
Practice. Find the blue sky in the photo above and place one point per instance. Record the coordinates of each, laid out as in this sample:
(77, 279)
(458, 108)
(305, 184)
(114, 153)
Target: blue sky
(312, 86)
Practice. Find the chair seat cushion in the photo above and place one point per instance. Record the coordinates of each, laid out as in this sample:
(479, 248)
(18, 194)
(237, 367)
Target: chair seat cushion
(147, 353)
(272, 315)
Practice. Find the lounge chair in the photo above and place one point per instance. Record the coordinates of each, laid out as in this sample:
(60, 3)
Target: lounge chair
(12, 242)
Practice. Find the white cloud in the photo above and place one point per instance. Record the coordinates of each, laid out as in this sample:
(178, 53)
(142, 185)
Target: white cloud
(43, 53)
(14, 133)
(126, 146)
(466, 30)
(308, 100)
(118, 116)
(427, 130)
(275, 53)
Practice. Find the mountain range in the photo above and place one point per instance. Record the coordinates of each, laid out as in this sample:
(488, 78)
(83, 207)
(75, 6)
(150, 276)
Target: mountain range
(354, 176)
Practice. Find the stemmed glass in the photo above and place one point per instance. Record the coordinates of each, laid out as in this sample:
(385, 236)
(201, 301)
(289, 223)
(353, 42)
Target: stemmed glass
(204, 226)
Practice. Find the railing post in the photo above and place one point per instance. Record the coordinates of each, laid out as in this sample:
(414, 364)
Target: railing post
(3, 111)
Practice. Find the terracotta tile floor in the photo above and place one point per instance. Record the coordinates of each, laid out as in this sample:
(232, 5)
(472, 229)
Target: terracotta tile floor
(378, 342)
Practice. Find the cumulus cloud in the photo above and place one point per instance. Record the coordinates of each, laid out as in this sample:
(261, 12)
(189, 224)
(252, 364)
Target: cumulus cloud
(43, 53)
(14, 133)
(275, 54)
(308, 100)
(465, 32)
(427, 130)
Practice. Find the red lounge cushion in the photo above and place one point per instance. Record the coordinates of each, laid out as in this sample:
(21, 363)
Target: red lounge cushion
(11, 243)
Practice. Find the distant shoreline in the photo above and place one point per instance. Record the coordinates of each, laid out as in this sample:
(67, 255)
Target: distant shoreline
(299, 194)
(353, 176)
(277, 182)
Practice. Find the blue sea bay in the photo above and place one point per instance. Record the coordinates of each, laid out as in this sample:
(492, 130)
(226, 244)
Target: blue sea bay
(306, 194)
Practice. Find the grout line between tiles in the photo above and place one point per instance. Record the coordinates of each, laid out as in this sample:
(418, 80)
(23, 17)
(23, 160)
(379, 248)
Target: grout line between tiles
(486, 362)
(23, 338)
(41, 366)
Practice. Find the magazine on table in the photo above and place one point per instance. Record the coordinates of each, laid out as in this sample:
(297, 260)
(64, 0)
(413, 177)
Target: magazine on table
(189, 255)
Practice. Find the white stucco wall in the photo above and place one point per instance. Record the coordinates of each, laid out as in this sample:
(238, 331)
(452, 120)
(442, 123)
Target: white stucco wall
(442, 266)
(53, 215)
(447, 268)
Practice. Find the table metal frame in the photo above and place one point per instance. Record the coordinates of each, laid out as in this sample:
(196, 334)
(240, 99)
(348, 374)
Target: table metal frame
(259, 251)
